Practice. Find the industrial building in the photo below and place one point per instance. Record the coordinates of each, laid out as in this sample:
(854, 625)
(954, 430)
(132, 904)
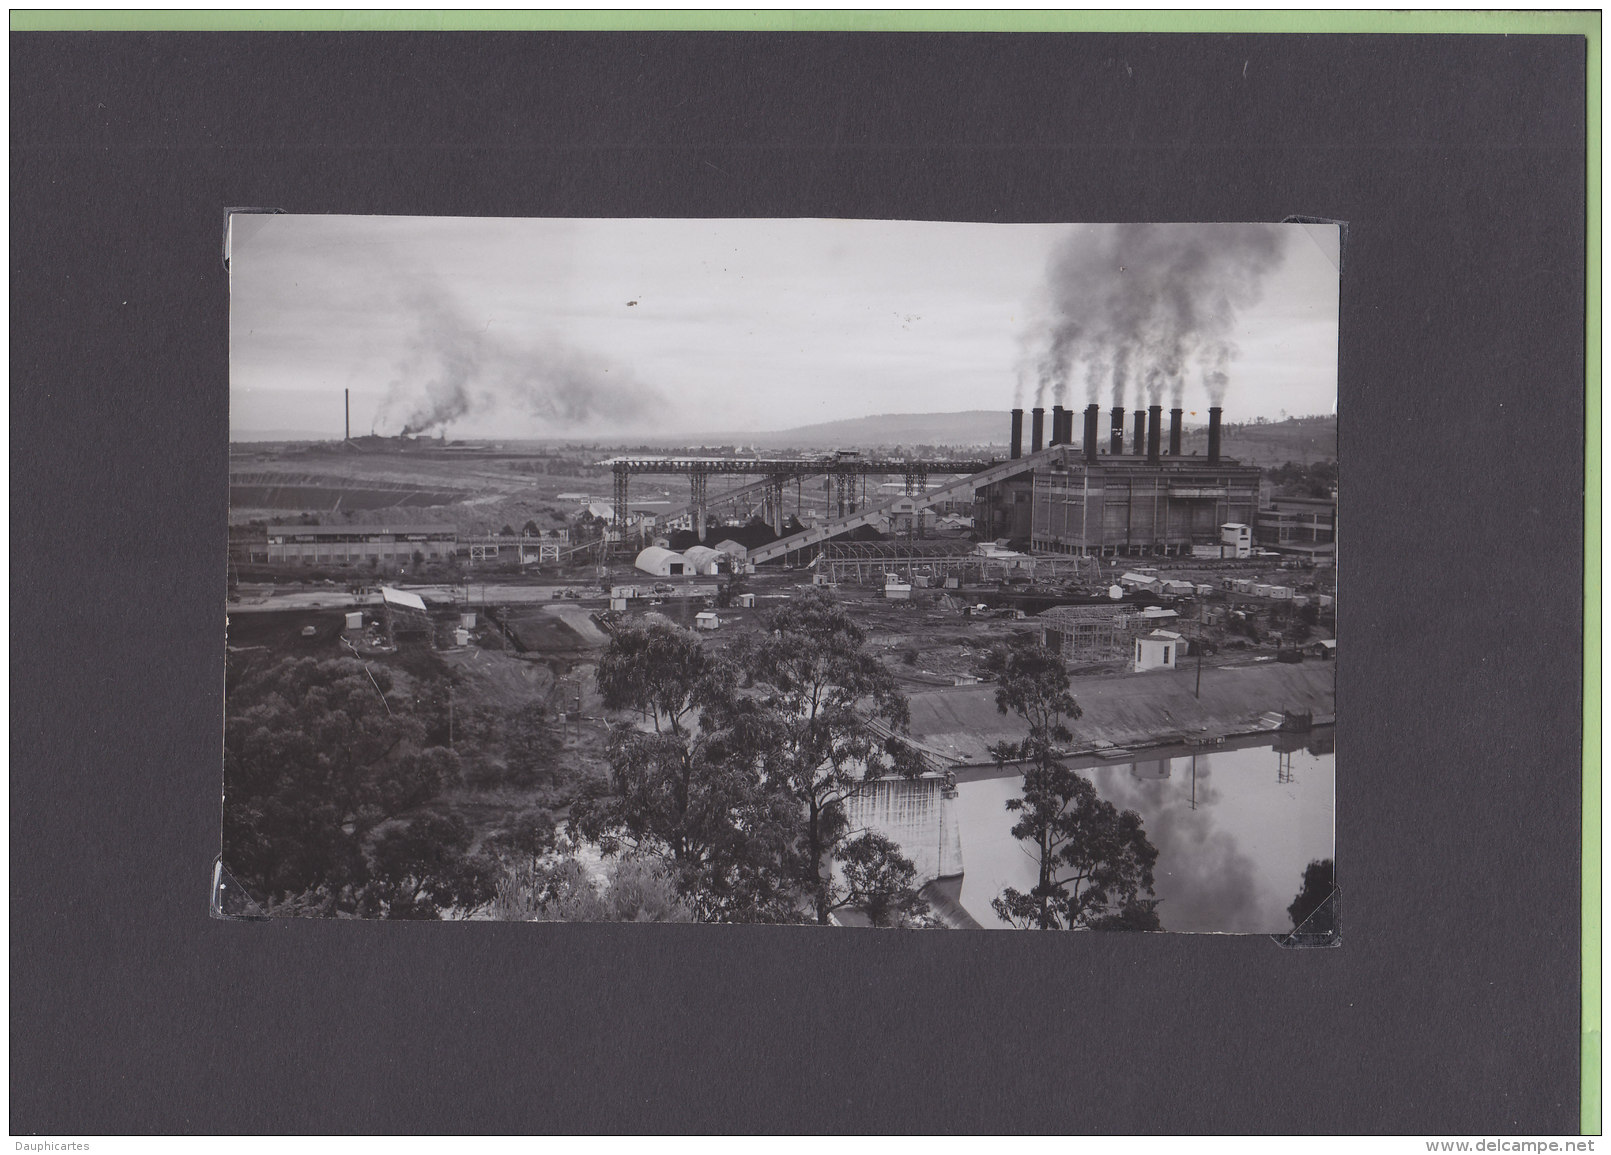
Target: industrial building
(1306, 526)
(703, 559)
(345, 544)
(1114, 499)
(662, 562)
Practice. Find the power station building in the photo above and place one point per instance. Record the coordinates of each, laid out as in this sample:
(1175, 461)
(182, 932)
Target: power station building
(1119, 496)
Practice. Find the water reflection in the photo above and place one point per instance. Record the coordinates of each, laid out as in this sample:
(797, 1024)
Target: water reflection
(1234, 829)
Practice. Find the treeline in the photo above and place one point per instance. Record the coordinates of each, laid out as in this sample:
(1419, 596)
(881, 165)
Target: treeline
(1292, 479)
(728, 796)
(336, 774)
(736, 779)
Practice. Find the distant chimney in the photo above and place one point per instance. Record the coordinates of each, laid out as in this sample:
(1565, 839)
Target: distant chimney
(1213, 434)
(1154, 432)
(1037, 426)
(1068, 426)
(1140, 432)
(1116, 436)
(1093, 414)
(1017, 433)
(1174, 431)
(346, 406)
(1057, 426)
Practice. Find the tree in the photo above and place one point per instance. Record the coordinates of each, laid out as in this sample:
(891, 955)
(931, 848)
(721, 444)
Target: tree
(657, 671)
(877, 878)
(727, 593)
(693, 791)
(1093, 862)
(635, 889)
(423, 869)
(829, 698)
(1309, 910)
(324, 777)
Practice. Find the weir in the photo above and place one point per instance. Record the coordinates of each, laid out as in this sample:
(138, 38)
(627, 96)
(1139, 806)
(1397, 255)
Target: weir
(919, 815)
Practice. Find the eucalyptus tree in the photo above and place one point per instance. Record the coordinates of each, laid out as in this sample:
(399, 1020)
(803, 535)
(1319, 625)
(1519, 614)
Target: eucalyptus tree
(1093, 862)
(836, 710)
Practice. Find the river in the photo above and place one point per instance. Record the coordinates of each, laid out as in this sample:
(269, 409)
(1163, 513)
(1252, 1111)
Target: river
(1234, 830)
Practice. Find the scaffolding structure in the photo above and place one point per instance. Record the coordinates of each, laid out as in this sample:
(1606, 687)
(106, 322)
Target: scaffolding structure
(1090, 633)
(861, 562)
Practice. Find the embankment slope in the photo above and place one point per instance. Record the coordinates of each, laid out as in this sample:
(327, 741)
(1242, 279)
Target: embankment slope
(962, 722)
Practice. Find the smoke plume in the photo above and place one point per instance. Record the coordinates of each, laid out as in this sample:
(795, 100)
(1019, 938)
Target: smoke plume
(1145, 305)
(452, 369)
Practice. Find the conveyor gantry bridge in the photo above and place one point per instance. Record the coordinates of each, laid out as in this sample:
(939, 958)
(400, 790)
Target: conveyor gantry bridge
(845, 470)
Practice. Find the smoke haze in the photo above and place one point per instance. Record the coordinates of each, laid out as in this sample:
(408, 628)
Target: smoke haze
(452, 370)
(1144, 307)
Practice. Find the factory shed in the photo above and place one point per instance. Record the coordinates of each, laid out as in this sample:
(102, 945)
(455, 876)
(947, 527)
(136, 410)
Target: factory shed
(729, 546)
(706, 621)
(1324, 648)
(662, 562)
(703, 559)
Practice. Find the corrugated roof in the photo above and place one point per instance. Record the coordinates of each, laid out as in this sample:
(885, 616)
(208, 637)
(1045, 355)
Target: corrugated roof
(408, 601)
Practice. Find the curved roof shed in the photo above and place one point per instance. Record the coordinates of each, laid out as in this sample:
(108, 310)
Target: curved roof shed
(662, 562)
(702, 558)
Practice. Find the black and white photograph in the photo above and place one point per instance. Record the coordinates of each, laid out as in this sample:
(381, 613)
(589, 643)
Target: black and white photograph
(855, 573)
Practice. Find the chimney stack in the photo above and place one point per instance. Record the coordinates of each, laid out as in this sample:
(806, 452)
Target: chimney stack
(1140, 432)
(1093, 414)
(1037, 426)
(1057, 426)
(1175, 416)
(1213, 434)
(1154, 432)
(1017, 433)
(346, 406)
(1068, 426)
(1116, 437)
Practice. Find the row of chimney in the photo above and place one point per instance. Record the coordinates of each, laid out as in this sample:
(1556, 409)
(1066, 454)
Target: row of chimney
(1148, 431)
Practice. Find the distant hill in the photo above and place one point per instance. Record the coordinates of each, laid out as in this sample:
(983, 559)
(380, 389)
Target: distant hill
(1301, 439)
(970, 427)
(245, 436)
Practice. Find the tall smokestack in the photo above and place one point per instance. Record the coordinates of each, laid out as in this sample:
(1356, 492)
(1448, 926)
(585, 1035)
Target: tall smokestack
(1037, 426)
(1140, 432)
(1017, 433)
(346, 408)
(1154, 432)
(1174, 431)
(1116, 436)
(1213, 434)
(1093, 414)
(1068, 426)
(1057, 426)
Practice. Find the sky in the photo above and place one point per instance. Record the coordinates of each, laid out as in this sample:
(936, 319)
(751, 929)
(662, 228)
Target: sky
(606, 328)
